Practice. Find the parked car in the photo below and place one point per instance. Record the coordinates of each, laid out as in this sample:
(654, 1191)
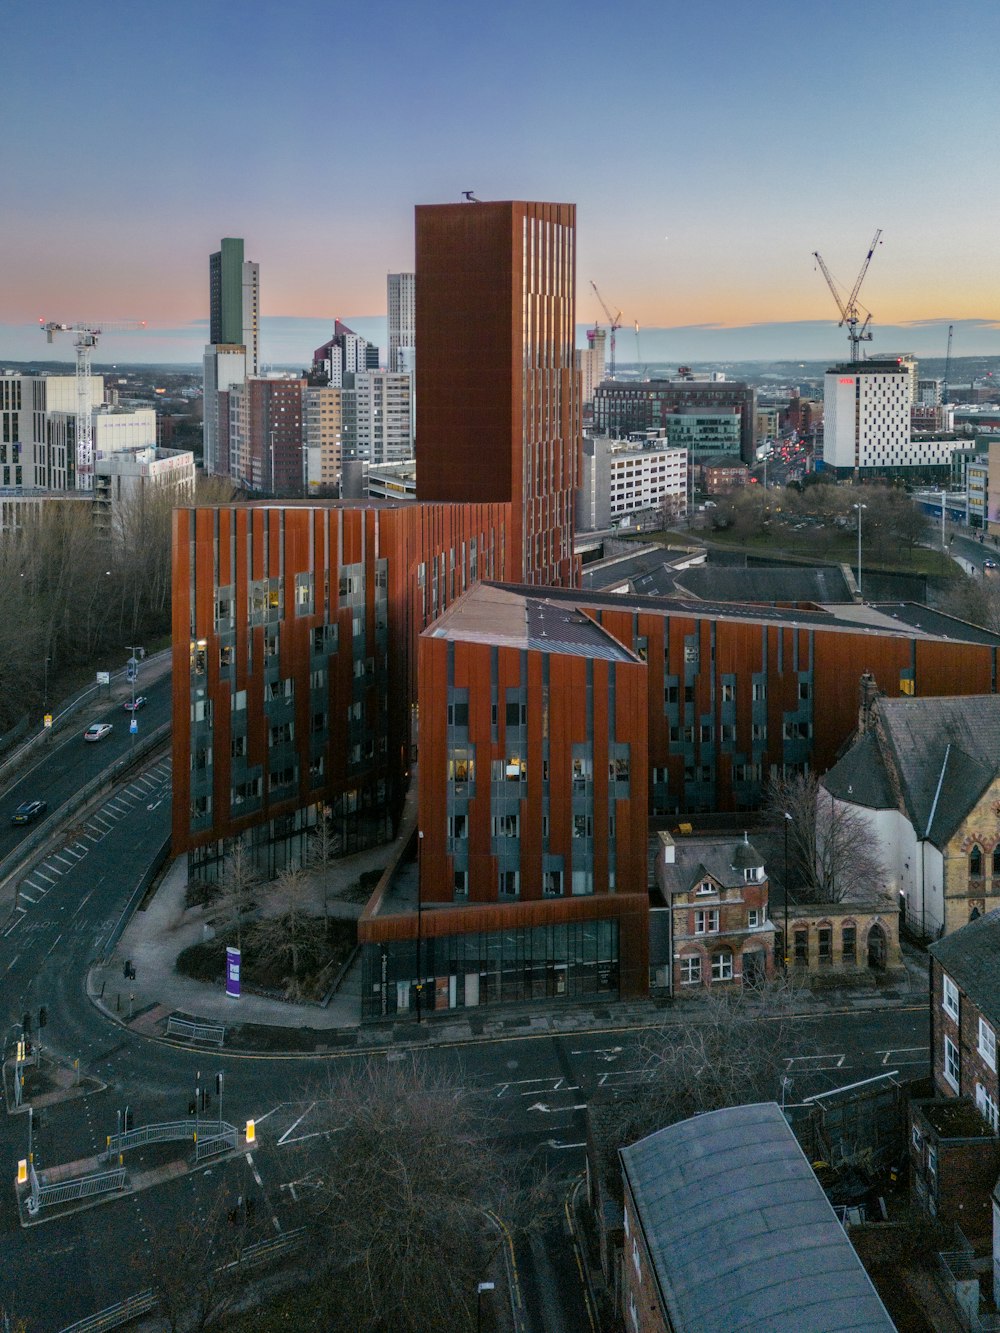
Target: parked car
(28, 811)
(97, 731)
(133, 705)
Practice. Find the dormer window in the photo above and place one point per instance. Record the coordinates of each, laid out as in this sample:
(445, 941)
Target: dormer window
(706, 886)
(753, 874)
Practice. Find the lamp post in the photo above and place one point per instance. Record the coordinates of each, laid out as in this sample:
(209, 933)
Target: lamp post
(859, 508)
(788, 820)
(45, 685)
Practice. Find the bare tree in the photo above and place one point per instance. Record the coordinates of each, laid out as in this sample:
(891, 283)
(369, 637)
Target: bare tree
(732, 1052)
(323, 845)
(282, 936)
(832, 854)
(405, 1180)
(194, 1269)
(237, 897)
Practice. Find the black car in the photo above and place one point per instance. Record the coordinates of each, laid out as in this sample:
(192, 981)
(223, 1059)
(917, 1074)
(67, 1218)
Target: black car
(28, 811)
(131, 706)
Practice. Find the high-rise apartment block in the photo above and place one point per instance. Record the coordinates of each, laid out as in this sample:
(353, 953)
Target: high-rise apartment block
(401, 293)
(323, 438)
(593, 360)
(266, 438)
(344, 354)
(233, 351)
(498, 392)
(866, 415)
(377, 417)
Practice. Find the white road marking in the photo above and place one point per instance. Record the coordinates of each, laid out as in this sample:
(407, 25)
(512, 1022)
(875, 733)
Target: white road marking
(27, 897)
(923, 1051)
(54, 943)
(562, 1147)
(816, 1061)
(556, 1110)
(296, 1124)
(12, 962)
(41, 875)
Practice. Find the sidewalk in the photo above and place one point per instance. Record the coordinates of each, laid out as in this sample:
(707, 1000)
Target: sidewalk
(156, 935)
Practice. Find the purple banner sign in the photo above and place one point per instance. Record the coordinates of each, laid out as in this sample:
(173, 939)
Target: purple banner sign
(232, 972)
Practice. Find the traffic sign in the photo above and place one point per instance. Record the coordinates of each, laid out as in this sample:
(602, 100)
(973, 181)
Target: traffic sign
(133, 726)
(48, 719)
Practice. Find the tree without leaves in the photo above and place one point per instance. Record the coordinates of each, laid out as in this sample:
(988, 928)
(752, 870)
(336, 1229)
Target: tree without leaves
(188, 1267)
(236, 899)
(405, 1177)
(323, 845)
(284, 936)
(732, 1052)
(831, 852)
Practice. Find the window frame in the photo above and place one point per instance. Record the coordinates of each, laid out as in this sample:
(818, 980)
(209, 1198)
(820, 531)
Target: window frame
(952, 1056)
(706, 921)
(950, 997)
(986, 1044)
(722, 959)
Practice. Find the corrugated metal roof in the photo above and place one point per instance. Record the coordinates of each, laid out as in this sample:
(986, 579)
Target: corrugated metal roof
(740, 1233)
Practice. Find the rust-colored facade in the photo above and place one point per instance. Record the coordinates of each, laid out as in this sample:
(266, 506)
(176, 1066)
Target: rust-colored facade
(735, 694)
(498, 393)
(294, 636)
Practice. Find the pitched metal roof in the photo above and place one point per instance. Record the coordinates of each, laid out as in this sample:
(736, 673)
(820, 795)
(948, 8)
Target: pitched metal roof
(971, 957)
(825, 583)
(721, 859)
(740, 1233)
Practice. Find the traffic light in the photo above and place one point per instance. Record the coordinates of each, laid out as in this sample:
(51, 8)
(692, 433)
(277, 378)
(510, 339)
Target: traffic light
(43, 1016)
(218, 1085)
(192, 1107)
(251, 1131)
(26, 1024)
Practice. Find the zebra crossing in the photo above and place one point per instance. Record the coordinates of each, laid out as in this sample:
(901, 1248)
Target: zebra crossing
(145, 791)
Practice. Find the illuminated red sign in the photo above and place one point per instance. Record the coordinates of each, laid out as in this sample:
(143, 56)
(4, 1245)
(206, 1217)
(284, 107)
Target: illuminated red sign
(848, 380)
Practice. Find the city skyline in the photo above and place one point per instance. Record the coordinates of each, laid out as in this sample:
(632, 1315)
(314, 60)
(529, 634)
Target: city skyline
(707, 160)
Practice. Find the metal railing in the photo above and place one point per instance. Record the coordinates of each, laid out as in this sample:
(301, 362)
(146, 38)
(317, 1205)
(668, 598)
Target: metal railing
(270, 1248)
(180, 1027)
(169, 1131)
(217, 1139)
(113, 1316)
(65, 1191)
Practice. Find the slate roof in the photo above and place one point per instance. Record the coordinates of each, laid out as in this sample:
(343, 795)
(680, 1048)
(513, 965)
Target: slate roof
(971, 957)
(946, 752)
(825, 583)
(721, 858)
(921, 617)
(740, 1233)
(617, 570)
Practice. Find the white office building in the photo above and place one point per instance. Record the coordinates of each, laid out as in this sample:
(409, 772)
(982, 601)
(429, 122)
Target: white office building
(377, 422)
(38, 430)
(866, 415)
(323, 432)
(125, 478)
(620, 477)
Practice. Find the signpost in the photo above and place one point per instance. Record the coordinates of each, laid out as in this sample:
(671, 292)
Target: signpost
(232, 972)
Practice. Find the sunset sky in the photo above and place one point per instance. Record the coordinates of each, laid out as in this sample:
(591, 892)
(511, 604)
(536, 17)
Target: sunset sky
(709, 148)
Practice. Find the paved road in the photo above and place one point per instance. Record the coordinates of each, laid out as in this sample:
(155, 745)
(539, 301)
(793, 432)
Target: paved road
(68, 762)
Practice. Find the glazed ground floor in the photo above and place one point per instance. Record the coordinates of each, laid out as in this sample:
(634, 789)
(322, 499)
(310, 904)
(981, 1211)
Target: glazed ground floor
(571, 960)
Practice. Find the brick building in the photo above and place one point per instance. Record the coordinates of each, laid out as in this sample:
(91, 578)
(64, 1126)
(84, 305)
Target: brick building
(717, 895)
(954, 1144)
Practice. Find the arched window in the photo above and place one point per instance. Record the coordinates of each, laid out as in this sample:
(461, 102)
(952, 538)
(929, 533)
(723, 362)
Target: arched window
(976, 863)
(996, 859)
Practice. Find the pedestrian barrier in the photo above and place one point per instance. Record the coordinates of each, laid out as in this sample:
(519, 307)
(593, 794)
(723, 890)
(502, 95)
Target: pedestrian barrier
(113, 1316)
(169, 1131)
(265, 1250)
(65, 1191)
(215, 1140)
(180, 1027)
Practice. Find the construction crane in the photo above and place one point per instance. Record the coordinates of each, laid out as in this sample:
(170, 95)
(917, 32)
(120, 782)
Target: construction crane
(850, 310)
(947, 367)
(614, 323)
(638, 354)
(85, 340)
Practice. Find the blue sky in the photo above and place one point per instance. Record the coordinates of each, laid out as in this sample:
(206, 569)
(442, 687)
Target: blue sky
(710, 150)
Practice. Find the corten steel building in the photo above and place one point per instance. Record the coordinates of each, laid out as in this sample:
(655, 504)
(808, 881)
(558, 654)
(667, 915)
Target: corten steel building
(498, 393)
(738, 694)
(294, 663)
(531, 814)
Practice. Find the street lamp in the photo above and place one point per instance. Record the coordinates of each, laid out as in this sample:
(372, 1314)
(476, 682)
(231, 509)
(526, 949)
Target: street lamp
(788, 820)
(45, 686)
(859, 508)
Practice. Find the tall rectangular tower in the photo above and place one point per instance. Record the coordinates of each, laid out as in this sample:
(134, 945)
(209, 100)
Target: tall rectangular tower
(498, 397)
(401, 306)
(233, 351)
